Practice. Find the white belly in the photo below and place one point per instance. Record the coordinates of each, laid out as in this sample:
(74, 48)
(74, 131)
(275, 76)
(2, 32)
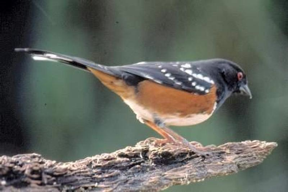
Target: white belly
(192, 119)
(173, 120)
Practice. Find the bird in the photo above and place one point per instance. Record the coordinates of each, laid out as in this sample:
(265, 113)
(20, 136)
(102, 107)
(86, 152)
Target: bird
(163, 94)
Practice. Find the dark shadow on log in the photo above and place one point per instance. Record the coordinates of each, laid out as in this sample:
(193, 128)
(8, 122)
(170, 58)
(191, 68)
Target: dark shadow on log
(144, 167)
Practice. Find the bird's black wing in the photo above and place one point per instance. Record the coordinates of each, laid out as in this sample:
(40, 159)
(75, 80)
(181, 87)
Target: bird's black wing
(179, 75)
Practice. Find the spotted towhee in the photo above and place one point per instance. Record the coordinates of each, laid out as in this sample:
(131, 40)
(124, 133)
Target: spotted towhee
(165, 93)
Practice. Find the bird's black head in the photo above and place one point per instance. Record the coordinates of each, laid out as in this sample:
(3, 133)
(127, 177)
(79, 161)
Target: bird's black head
(229, 78)
(234, 77)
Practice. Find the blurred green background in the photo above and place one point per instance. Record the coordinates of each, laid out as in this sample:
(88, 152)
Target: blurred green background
(66, 114)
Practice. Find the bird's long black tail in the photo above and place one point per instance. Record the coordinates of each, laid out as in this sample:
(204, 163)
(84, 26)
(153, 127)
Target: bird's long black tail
(79, 63)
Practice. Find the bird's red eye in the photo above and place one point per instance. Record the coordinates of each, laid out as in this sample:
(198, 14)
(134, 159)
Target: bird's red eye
(239, 76)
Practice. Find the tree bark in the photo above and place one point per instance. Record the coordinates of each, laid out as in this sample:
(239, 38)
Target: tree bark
(144, 167)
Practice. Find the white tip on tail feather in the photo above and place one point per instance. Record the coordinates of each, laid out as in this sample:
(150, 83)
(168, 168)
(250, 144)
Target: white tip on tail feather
(36, 57)
(49, 57)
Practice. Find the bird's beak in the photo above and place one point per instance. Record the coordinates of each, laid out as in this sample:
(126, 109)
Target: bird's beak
(245, 90)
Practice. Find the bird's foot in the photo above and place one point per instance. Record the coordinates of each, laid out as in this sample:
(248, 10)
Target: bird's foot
(161, 142)
(201, 151)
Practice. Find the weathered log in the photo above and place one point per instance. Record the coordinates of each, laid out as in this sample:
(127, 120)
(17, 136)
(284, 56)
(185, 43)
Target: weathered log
(144, 167)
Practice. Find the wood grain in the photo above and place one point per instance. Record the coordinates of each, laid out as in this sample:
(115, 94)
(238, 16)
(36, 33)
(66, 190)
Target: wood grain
(144, 167)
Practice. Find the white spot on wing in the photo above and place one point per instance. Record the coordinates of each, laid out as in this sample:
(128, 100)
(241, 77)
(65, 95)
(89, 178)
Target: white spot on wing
(207, 79)
(163, 70)
(188, 71)
(187, 65)
(200, 76)
(178, 82)
(190, 78)
(168, 74)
